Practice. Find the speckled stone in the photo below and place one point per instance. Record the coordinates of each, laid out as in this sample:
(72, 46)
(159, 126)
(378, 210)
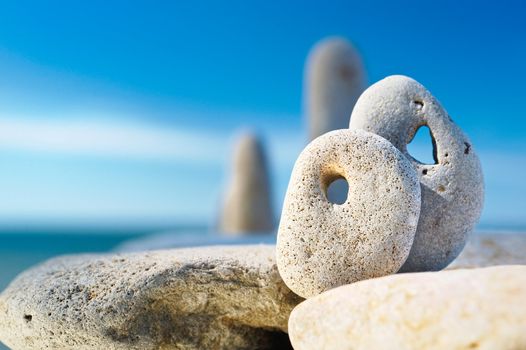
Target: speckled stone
(247, 204)
(452, 189)
(334, 79)
(460, 309)
(322, 245)
(489, 249)
(200, 298)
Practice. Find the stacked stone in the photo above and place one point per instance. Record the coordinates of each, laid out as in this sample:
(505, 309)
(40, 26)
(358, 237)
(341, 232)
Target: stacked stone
(399, 216)
(334, 79)
(247, 204)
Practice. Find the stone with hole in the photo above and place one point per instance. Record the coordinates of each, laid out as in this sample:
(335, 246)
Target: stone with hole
(461, 309)
(225, 297)
(452, 188)
(322, 245)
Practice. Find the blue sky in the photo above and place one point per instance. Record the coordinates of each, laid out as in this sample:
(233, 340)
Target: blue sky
(124, 113)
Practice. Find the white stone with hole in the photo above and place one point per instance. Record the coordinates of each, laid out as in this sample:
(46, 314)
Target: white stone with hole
(460, 309)
(322, 245)
(452, 189)
(247, 204)
(334, 79)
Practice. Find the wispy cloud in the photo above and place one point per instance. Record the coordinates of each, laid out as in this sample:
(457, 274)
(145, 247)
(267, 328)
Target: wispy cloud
(111, 139)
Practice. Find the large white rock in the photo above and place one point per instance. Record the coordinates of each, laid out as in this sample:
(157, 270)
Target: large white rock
(334, 79)
(460, 309)
(452, 188)
(489, 249)
(322, 245)
(200, 298)
(247, 204)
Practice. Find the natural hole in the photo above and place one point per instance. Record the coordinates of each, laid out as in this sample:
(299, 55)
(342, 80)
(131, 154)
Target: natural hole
(28, 318)
(419, 104)
(337, 191)
(423, 147)
(468, 148)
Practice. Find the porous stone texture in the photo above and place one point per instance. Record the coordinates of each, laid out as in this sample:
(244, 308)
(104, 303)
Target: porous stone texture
(452, 188)
(460, 309)
(334, 79)
(199, 298)
(489, 249)
(247, 204)
(322, 245)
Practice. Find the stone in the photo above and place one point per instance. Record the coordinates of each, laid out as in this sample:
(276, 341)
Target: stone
(334, 79)
(247, 204)
(489, 249)
(197, 298)
(322, 245)
(452, 188)
(460, 309)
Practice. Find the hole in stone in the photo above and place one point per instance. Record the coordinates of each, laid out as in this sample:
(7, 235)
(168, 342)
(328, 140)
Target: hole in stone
(338, 190)
(419, 104)
(468, 148)
(423, 147)
(28, 318)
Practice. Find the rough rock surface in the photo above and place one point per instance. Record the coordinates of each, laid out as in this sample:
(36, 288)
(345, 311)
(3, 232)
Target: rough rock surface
(489, 249)
(247, 204)
(452, 188)
(322, 245)
(334, 79)
(460, 309)
(200, 298)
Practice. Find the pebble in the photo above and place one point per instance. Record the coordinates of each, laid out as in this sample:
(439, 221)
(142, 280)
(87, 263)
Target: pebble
(322, 245)
(452, 188)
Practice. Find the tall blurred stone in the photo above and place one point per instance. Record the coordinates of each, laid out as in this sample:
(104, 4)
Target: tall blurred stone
(247, 207)
(334, 79)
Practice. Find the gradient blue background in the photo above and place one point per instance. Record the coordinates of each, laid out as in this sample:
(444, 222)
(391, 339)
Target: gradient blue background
(122, 113)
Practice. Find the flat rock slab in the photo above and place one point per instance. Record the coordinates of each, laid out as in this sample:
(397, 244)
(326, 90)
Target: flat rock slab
(223, 297)
(461, 309)
(489, 249)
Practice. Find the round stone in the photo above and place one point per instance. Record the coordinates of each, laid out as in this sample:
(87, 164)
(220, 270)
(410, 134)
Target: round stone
(460, 309)
(452, 188)
(322, 245)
